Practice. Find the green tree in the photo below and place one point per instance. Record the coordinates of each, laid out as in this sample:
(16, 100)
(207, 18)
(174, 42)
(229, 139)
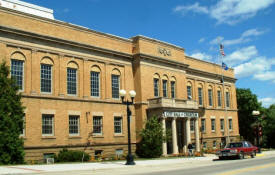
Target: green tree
(247, 102)
(269, 127)
(152, 138)
(11, 120)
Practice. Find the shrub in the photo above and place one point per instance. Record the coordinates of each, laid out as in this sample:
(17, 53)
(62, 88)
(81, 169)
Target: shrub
(72, 156)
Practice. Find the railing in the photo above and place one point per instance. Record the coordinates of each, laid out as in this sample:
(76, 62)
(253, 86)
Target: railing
(161, 102)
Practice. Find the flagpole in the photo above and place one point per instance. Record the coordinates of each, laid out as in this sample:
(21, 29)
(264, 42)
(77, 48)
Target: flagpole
(224, 97)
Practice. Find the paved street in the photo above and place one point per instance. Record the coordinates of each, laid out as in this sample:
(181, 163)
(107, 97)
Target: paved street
(262, 164)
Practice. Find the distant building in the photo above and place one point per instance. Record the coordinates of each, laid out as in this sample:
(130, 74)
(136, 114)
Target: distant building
(70, 77)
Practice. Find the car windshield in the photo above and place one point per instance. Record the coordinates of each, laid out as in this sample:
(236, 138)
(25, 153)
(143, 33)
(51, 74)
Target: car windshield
(234, 145)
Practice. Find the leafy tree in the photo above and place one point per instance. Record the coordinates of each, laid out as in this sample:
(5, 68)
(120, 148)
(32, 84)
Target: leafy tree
(152, 139)
(269, 127)
(11, 120)
(247, 102)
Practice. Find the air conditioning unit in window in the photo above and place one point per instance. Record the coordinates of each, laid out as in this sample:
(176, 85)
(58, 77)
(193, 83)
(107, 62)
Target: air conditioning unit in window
(50, 160)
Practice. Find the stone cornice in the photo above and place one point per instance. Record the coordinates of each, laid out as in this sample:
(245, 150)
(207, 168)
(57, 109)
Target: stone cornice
(208, 74)
(161, 60)
(62, 41)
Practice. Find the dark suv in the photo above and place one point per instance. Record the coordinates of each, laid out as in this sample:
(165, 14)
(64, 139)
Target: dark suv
(238, 150)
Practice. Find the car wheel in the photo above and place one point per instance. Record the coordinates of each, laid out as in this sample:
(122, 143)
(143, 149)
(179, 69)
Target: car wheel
(221, 158)
(253, 154)
(241, 155)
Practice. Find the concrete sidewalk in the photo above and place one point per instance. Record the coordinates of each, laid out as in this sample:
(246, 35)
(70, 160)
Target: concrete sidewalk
(27, 169)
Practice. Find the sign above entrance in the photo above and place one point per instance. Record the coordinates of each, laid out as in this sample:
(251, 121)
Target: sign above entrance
(181, 114)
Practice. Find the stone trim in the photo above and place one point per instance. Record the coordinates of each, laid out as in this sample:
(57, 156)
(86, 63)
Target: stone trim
(47, 111)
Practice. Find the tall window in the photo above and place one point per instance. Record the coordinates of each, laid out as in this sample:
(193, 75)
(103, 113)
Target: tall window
(230, 124)
(97, 125)
(95, 84)
(164, 88)
(73, 125)
(17, 72)
(213, 124)
(192, 125)
(47, 124)
(210, 95)
(46, 78)
(118, 125)
(173, 89)
(200, 96)
(214, 144)
(115, 86)
(156, 87)
(22, 133)
(189, 92)
(219, 98)
(202, 125)
(222, 124)
(71, 81)
(227, 99)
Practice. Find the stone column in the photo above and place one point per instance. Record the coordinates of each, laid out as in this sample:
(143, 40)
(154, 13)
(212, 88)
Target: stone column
(197, 135)
(174, 137)
(187, 131)
(164, 144)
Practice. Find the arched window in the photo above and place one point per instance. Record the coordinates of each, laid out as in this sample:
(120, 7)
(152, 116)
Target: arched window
(227, 98)
(165, 86)
(173, 87)
(95, 81)
(210, 96)
(156, 85)
(115, 83)
(46, 75)
(17, 69)
(200, 94)
(72, 68)
(219, 96)
(189, 90)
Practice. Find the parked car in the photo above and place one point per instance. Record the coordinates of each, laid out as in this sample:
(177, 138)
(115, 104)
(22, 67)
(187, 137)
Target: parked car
(237, 150)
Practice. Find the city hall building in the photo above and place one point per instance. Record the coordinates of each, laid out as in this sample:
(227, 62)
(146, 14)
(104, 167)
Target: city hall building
(70, 76)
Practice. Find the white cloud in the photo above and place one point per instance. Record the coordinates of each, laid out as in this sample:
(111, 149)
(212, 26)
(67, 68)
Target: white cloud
(256, 68)
(228, 11)
(267, 101)
(241, 55)
(201, 56)
(265, 76)
(201, 40)
(245, 37)
(195, 8)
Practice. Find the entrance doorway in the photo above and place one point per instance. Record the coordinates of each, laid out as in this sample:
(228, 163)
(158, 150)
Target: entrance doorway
(180, 135)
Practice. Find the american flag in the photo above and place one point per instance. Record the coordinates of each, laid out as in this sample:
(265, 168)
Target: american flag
(221, 50)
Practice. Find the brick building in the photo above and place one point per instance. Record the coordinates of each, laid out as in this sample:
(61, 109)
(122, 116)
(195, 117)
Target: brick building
(70, 78)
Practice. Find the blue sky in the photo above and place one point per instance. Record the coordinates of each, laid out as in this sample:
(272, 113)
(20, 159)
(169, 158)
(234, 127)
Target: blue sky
(245, 27)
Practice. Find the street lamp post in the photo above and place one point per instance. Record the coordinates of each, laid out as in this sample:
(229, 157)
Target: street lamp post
(132, 93)
(257, 113)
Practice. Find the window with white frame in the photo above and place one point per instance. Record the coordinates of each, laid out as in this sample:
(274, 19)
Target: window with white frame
(115, 86)
(173, 89)
(22, 133)
(219, 95)
(230, 124)
(156, 87)
(97, 124)
(47, 124)
(17, 72)
(74, 125)
(95, 84)
(189, 92)
(227, 99)
(204, 145)
(118, 125)
(71, 81)
(210, 97)
(200, 96)
(46, 78)
(203, 125)
(192, 125)
(164, 88)
(213, 124)
(222, 124)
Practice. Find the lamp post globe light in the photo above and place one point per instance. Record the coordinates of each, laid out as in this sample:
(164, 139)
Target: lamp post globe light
(256, 114)
(132, 93)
